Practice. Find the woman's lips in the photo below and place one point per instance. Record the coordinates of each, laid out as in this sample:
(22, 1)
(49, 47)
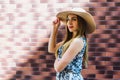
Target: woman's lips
(70, 26)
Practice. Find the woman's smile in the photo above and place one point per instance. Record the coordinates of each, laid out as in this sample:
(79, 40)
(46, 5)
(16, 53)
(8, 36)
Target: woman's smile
(70, 27)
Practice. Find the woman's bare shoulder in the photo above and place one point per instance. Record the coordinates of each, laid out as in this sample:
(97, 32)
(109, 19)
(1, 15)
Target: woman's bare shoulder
(78, 40)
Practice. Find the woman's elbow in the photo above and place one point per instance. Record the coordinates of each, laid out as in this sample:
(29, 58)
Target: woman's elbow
(50, 50)
(57, 69)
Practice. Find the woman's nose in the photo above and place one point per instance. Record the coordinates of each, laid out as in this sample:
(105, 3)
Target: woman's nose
(70, 22)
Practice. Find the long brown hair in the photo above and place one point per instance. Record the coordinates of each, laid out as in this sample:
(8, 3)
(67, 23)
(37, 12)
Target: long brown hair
(81, 32)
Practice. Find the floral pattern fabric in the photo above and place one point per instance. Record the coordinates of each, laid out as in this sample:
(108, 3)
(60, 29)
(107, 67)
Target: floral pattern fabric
(73, 69)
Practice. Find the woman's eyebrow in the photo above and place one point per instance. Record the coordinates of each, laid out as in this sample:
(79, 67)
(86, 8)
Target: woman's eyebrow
(74, 17)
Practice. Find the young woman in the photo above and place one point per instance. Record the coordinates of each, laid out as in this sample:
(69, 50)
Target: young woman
(71, 53)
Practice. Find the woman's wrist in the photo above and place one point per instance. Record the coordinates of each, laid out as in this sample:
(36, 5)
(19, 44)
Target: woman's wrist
(54, 32)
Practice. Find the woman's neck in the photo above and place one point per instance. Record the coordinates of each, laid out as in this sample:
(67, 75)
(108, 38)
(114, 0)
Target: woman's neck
(74, 34)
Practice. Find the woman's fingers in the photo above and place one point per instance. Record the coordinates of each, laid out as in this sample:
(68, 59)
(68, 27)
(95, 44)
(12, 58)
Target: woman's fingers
(56, 21)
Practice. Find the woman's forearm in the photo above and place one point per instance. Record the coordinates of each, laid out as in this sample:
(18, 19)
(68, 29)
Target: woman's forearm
(52, 41)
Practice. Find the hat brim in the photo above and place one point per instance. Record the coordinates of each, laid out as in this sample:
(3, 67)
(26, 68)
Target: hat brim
(85, 15)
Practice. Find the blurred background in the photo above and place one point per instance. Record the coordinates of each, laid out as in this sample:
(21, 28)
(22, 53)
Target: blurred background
(25, 27)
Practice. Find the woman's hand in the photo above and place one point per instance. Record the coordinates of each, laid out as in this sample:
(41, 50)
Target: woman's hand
(56, 23)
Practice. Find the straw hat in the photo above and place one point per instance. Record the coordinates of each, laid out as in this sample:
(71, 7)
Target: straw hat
(82, 13)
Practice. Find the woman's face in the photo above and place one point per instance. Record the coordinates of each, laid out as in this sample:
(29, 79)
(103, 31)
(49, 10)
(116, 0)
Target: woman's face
(72, 22)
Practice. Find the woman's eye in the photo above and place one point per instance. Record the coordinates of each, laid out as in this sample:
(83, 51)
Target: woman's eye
(74, 19)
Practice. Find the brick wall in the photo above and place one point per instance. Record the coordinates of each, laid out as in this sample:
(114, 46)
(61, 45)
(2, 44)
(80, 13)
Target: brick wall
(104, 49)
(25, 26)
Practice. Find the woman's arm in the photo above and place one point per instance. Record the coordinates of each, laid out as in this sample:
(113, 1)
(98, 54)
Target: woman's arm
(52, 41)
(69, 55)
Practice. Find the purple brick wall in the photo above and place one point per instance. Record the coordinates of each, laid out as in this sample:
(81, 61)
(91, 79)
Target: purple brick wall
(104, 49)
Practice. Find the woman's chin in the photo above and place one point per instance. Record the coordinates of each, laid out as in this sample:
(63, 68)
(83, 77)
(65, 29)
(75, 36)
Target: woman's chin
(70, 30)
